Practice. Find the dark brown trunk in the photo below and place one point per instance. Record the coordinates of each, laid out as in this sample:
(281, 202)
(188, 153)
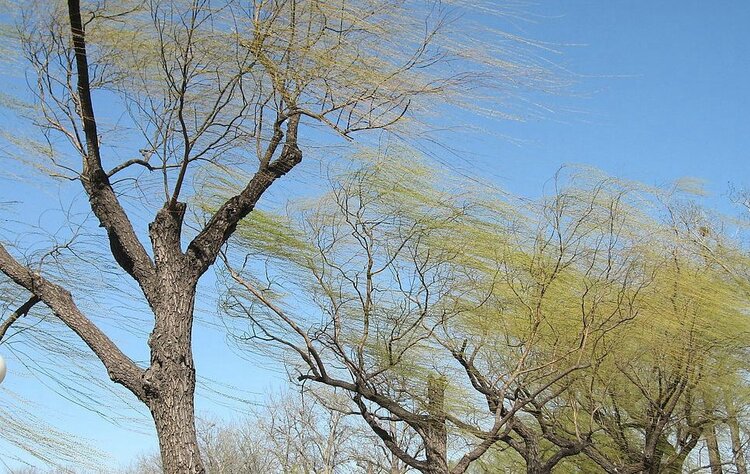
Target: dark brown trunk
(714, 456)
(174, 418)
(535, 468)
(737, 452)
(534, 464)
(170, 380)
(436, 442)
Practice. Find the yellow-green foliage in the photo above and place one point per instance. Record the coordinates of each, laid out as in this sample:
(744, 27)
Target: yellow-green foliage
(207, 80)
(614, 279)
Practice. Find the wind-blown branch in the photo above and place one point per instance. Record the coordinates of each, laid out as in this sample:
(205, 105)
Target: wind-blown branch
(206, 246)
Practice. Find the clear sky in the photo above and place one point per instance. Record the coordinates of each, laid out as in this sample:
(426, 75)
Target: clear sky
(663, 92)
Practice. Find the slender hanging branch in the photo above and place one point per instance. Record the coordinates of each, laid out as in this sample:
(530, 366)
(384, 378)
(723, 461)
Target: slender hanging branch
(17, 314)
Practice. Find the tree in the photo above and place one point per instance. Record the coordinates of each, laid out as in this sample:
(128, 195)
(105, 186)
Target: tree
(208, 84)
(581, 325)
(455, 316)
(654, 390)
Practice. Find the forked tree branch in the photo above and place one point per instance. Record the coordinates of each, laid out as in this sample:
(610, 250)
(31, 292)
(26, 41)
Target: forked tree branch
(386, 437)
(206, 246)
(127, 249)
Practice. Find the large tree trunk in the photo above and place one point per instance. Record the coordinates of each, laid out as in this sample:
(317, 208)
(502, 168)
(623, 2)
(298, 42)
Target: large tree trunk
(533, 467)
(533, 457)
(170, 380)
(174, 418)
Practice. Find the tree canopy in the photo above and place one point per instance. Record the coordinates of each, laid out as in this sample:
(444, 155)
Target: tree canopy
(595, 323)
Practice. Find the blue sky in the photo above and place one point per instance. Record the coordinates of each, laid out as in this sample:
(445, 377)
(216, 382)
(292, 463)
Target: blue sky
(662, 92)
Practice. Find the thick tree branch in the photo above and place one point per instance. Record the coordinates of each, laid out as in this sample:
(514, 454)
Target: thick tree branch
(206, 246)
(387, 438)
(126, 248)
(119, 367)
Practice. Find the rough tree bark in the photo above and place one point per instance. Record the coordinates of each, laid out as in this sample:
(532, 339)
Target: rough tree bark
(169, 382)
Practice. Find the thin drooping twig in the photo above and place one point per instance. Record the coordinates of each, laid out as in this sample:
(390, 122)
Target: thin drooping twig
(17, 314)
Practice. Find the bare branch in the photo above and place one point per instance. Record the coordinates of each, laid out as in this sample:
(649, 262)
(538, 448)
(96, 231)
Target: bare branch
(119, 367)
(15, 315)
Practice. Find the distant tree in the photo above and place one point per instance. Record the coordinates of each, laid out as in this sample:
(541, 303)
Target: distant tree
(290, 433)
(656, 392)
(457, 316)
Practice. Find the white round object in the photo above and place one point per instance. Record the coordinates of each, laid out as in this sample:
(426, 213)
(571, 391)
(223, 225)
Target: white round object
(3, 369)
